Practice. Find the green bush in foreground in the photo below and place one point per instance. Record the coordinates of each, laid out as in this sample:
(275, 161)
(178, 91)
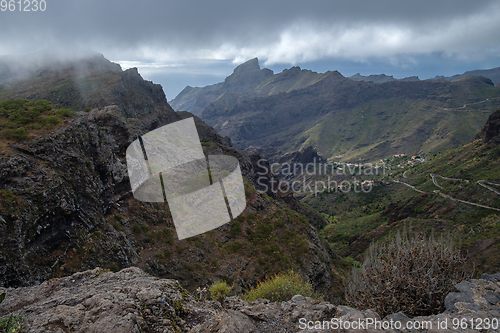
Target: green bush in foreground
(219, 290)
(21, 113)
(281, 288)
(65, 113)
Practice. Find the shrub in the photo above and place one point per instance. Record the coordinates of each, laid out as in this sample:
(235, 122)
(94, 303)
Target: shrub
(168, 236)
(219, 290)
(21, 112)
(281, 288)
(163, 254)
(235, 228)
(139, 228)
(117, 225)
(12, 323)
(65, 113)
(233, 247)
(411, 274)
(16, 134)
(261, 234)
(114, 267)
(49, 122)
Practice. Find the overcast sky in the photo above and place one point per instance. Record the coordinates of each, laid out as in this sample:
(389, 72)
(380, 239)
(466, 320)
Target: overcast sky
(199, 42)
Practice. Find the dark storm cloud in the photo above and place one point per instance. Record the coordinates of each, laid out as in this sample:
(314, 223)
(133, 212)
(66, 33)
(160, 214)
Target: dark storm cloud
(173, 30)
(176, 37)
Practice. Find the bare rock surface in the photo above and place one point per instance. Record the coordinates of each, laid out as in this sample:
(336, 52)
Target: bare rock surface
(133, 301)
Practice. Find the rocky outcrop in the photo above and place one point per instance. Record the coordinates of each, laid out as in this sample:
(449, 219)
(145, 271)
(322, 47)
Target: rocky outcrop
(245, 76)
(491, 131)
(133, 301)
(61, 187)
(304, 156)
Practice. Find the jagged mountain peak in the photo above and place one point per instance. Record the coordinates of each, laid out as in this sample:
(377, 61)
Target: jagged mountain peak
(246, 75)
(248, 66)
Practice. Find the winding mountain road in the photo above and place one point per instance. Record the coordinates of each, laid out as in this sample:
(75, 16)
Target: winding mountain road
(466, 202)
(463, 107)
(413, 187)
(481, 182)
(433, 176)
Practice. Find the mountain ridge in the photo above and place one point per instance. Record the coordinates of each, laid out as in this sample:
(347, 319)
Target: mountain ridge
(328, 113)
(195, 99)
(315, 103)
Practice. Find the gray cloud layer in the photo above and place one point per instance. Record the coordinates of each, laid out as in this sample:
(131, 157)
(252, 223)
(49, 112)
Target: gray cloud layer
(278, 31)
(167, 35)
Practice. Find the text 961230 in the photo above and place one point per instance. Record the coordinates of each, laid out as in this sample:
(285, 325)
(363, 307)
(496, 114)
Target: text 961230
(23, 5)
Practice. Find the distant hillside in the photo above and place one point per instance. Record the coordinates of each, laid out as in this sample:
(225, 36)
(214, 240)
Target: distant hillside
(492, 74)
(366, 117)
(456, 192)
(346, 119)
(380, 78)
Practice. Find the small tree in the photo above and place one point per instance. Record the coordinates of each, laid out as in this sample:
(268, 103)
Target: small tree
(411, 274)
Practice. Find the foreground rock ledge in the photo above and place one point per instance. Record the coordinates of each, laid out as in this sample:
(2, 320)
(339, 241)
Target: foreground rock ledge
(133, 301)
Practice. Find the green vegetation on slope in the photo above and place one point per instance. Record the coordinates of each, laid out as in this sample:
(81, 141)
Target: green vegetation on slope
(357, 219)
(18, 116)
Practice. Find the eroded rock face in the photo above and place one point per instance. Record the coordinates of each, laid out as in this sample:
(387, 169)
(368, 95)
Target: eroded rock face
(491, 131)
(66, 206)
(98, 301)
(133, 301)
(57, 190)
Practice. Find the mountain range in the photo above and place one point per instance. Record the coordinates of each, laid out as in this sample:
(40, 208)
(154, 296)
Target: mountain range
(342, 118)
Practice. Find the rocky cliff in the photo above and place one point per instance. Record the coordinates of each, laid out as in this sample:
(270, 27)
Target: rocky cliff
(243, 78)
(248, 80)
(66, 206)
(132, 301)
(490, 133)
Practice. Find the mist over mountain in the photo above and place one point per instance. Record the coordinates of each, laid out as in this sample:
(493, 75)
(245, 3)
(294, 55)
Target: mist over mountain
(86, 80)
